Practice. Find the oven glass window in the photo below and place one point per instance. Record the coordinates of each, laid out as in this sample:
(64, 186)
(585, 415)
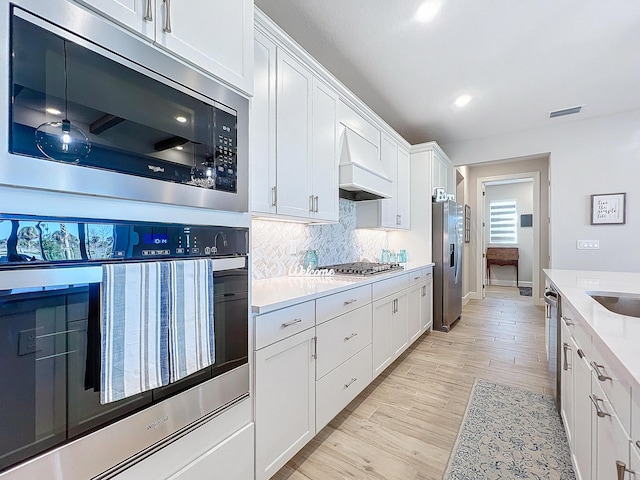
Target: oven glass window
(74, 105)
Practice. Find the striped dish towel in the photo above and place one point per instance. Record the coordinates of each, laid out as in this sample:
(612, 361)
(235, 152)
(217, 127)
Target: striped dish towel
(191, 332)
(134, 330)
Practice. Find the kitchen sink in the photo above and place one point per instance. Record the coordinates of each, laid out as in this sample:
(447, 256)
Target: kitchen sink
(623, 304)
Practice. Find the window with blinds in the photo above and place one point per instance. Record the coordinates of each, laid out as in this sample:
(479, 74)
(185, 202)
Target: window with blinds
(503, 223)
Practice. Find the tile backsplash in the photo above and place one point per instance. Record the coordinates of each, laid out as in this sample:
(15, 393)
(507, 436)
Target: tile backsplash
(335, 243)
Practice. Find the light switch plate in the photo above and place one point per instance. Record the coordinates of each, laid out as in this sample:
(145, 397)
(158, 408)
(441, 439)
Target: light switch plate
(588, 244)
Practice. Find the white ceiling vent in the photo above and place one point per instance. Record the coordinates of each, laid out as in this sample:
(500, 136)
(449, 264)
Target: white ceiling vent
(565, 111)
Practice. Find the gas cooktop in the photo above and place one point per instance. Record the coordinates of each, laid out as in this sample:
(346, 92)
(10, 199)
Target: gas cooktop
(363, 268)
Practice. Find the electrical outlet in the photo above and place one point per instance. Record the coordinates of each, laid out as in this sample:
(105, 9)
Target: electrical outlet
(292, 247)
(28, 341)
(588, 244)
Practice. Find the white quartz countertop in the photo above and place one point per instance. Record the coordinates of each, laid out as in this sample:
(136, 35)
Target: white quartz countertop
(619, 334)
(274, 293)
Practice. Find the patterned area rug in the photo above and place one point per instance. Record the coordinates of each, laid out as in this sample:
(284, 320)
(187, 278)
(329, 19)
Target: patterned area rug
(509, 433)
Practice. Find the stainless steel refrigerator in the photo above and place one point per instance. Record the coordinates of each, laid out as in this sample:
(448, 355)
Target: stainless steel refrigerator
(447, 255)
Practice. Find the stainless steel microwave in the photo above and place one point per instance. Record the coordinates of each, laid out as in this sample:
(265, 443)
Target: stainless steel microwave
(93, 109)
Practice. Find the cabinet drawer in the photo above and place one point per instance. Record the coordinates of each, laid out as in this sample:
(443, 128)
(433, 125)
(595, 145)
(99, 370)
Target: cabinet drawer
(417, 277)
(338, 388)
(343, 302)
(575, 324)
(390, 286)
(274, 326)
(340, 338)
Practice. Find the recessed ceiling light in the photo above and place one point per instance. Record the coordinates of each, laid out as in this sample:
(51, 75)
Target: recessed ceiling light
(462, 100)
(181, 119)
(53, 111)
(179, 147)
(428, 10)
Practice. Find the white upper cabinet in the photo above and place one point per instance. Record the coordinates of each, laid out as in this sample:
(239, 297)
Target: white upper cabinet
(389, 157)
(263, 126)
(294, 146)
(293, 137)
(214, 35)
(324, 165)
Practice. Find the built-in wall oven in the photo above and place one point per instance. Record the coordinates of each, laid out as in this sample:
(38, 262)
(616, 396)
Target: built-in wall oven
(95, 109)
(53, 417)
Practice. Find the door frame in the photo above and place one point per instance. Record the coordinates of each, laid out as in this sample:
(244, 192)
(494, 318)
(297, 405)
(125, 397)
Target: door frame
(480, 232)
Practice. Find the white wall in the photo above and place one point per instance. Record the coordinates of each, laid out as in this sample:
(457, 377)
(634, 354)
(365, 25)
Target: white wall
(599, 155)
(522, 193)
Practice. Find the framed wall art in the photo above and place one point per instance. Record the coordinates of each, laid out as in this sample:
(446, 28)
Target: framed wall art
(608, 208)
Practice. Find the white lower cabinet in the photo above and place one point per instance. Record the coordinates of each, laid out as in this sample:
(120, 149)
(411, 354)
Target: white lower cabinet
(400, 324)
(420, 306)
(582, 409)
(426, 303)
(285, 405)
(567, 399)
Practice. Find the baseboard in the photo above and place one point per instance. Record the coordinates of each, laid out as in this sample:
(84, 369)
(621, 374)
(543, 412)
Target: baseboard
(467, 297)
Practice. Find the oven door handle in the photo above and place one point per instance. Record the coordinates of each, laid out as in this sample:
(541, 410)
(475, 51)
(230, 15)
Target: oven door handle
(53, 277)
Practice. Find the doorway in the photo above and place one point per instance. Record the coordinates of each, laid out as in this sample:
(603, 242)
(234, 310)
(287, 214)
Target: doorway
(507, 205)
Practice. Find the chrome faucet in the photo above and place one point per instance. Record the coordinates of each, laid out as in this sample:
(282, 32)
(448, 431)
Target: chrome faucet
(215, 241)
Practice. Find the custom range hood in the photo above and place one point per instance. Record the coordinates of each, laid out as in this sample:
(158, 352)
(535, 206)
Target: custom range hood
(361, 173)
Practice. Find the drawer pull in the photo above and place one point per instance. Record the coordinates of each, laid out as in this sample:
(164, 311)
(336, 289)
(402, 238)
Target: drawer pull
(350, 336)
(347, 385)
(292, 322)
(567, 321)
(602, 377)
(601, 413)
(580, 353)
(638, 443)
(167, 18)
(416, 278)
(621, 468)
(349, 302)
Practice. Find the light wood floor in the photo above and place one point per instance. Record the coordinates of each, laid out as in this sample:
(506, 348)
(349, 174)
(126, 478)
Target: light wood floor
(403, 426)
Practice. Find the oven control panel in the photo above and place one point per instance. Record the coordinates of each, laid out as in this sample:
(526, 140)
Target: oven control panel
(27, 239)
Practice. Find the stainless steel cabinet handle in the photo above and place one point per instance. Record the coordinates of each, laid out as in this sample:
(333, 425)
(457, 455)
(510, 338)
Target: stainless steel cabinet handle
(347, 385)
(354, 334)
(349, 302)
(311, 209)
(602, 377)
(638, 443)
(149, 12)
(274, 196)
(567, 321)
(317, 201)
(292, 322)
(580, 353)
(424, 291)
(416, 278)
(621, 468)
(566, 363)
(315, 348)
(167, 18)
(601, 413)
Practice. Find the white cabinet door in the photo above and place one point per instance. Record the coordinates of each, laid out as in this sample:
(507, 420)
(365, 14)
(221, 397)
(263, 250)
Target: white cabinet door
(415, 311)
(634, 461)
(401, 324)
(582, 453)
(389, 157)
(382, 334)
(214, 35)
(324, 166)
(223, 459)
(293, 137)
(612, 443)
(284, 401)
(137, 15)
(567, 399)
(403, 193)
(263, 127)
(426, 309)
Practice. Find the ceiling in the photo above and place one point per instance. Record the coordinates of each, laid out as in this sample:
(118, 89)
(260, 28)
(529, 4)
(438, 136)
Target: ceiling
(519, 60)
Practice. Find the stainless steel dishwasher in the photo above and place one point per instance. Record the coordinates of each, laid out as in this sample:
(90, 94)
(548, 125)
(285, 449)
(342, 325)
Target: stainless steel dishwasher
(553, 301)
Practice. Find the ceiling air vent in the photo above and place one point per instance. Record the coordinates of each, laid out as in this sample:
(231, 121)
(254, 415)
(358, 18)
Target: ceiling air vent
(565, 111)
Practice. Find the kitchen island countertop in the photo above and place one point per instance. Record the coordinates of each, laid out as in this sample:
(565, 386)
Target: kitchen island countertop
(618, 334)
(279, 292)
